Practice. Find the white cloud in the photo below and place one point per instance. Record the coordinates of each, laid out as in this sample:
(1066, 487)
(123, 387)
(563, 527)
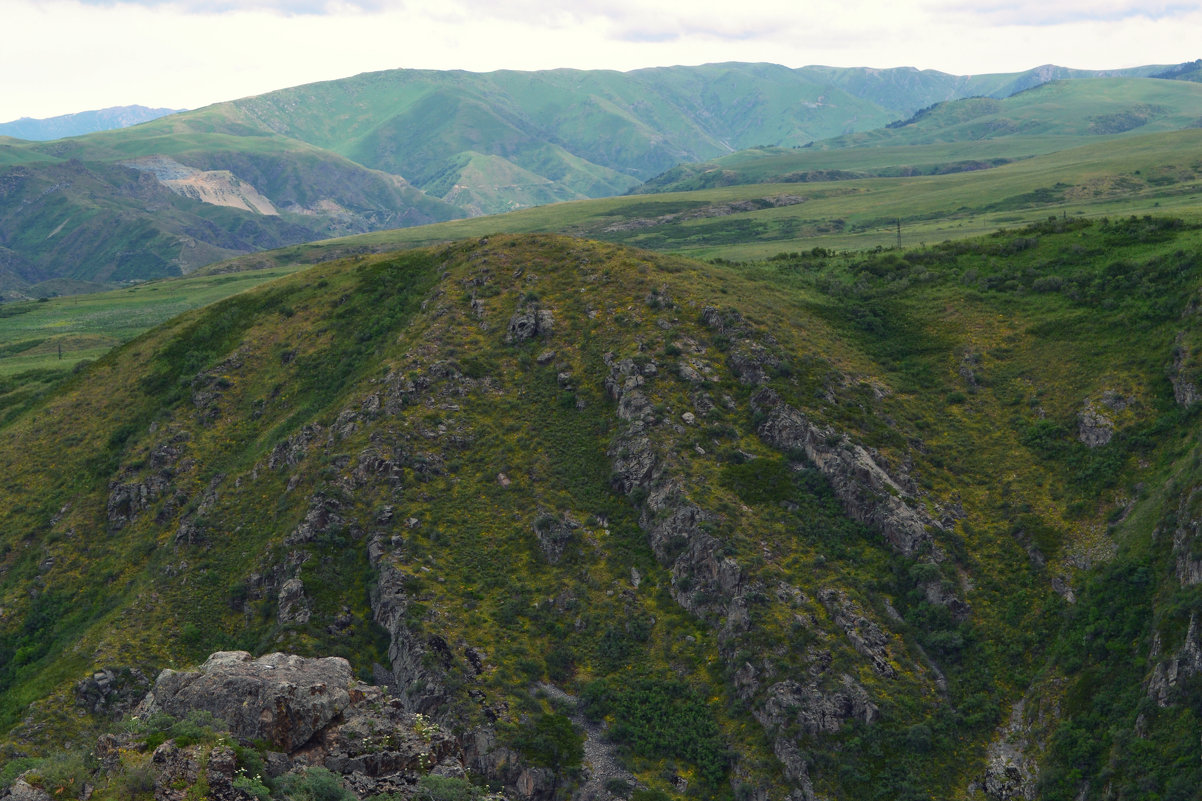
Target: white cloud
(82, 54)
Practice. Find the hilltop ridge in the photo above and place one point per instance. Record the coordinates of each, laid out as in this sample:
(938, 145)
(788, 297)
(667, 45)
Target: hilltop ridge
(823, 525)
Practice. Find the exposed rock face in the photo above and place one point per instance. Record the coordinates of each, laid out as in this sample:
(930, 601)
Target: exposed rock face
(293, 605)
(415, 680)
(1185, 391)
(1010, 773)
(22, 790)
(279, 698)
(553, 535)
(312, 711)
(292, 450)
(1187, 539)
(1094, 428)
(529, 322)
(127, 500)
(1168, 674)
(180, 769)
(749, 360)
(868, 492)
(112, 691)
(814, 711)
(865, 635)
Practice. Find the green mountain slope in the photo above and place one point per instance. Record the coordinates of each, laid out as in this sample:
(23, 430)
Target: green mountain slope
(149, 201)
(80, 123)
(1128, 175)
(407, 147)
(898, 525)
(962, 135)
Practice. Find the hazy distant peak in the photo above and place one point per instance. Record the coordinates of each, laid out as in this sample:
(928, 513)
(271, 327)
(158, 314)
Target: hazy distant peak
(83, 122)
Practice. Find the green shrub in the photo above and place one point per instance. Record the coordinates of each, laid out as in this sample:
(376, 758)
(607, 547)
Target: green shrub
(550, 741)
(660, 718)
(446, 788)
(315, 784)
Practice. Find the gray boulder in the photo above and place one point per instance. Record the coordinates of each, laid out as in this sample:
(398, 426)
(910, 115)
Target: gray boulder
(280, 698)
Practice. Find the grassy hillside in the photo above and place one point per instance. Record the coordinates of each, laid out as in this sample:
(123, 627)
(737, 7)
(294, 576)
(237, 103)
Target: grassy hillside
(877, 525)
(103, 208)
(963, 135)
(42, 342)
(1135, 175)
(407, 147)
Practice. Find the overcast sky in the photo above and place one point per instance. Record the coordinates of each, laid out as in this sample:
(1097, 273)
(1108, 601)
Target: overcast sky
(63, 56)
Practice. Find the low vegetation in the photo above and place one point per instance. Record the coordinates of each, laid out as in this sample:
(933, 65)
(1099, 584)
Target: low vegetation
(1029, 391)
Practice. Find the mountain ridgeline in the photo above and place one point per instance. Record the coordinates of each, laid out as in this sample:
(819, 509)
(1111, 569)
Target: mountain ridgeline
(587, 520)
(408, 147)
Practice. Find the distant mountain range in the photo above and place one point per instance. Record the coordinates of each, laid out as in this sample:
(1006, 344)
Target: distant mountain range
(406, 147)
(83, 122)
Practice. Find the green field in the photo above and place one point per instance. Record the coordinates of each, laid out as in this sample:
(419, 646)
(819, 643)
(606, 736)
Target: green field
(42, 341)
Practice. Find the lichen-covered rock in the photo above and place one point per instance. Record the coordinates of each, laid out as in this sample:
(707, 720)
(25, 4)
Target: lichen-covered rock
(280, 698)
(1094, 427)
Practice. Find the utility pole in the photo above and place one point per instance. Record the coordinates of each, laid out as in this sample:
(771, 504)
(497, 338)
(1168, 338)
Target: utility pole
(899, 232)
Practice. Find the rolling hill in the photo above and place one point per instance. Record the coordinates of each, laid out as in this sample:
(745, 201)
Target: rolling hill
(913, 524)
(962, 135)
(407, 147)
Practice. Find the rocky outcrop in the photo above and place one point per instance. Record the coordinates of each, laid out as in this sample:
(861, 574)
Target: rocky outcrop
(554, 534)
(1010, 773)
(708, 582)
(180, 770)
(1187, 539)
(1094, 427)
(865, 636)
(127, 500)
(22, 790)
(814, 711)
(1185, 390)
(1095, 422)
(292, 450)
(750, 361)
(311, 711)
(414, 679)
(868, 492)
(112, 691)
(1169, 674)
(293, 604)
(529, 322)
(138, 490)
(279, 698)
